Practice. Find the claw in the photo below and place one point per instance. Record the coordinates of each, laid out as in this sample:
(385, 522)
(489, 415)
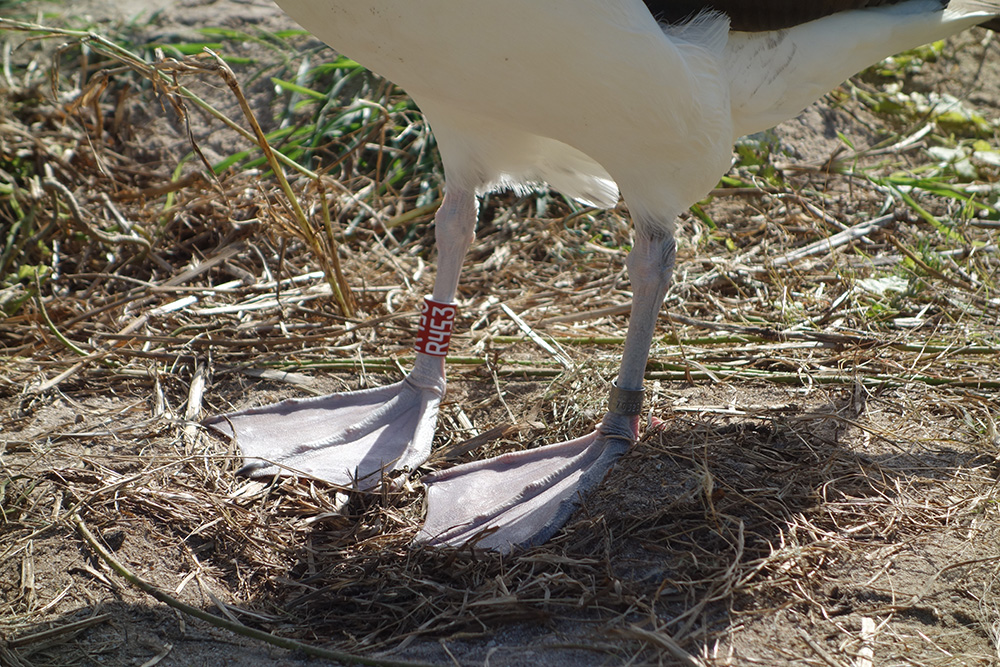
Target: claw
(516, 500)
(348, 439)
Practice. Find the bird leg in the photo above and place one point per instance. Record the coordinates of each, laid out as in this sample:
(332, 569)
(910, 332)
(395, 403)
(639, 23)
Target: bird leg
(520, 499)
(352, 438)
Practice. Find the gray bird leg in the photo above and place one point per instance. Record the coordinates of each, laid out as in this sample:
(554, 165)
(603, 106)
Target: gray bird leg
(519, 499)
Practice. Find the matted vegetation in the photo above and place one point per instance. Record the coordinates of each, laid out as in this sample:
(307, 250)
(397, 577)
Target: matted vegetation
(816, 483)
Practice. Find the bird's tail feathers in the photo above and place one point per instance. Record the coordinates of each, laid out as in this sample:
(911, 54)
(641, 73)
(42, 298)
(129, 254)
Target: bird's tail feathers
(988, 9)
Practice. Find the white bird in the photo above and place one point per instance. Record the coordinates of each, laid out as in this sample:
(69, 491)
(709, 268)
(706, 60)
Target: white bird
(592, 97)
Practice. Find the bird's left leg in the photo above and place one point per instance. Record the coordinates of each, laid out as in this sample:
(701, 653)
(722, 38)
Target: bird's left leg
(352, 438)
(524, 498)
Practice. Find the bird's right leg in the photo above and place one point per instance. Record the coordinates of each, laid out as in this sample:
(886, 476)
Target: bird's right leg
(352, 438)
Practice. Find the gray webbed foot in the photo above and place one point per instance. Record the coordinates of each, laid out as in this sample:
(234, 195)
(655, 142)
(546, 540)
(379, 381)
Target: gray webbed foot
(348, 438)
(520, 499)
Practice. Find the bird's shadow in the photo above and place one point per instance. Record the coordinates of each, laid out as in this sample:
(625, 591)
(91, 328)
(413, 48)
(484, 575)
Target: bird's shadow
(684, 527)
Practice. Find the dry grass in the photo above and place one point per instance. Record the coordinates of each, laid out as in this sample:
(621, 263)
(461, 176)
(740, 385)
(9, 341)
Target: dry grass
(818, 485)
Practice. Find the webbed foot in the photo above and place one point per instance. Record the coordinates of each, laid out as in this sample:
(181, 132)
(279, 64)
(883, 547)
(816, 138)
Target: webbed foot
(348, 439)
(520, 499)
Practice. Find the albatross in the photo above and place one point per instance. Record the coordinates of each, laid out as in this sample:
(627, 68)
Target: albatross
(641, 99)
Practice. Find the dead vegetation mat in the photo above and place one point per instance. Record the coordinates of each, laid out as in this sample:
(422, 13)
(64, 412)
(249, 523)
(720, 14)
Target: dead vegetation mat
(817, 482)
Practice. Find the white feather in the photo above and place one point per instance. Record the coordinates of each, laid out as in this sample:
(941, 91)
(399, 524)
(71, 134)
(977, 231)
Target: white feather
(586, 94)
(775, 75)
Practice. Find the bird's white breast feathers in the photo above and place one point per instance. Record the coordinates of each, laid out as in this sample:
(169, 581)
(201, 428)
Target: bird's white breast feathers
(567, 92)
(586, 94)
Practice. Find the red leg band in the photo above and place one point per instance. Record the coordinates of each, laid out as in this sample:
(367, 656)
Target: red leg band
(434, 333)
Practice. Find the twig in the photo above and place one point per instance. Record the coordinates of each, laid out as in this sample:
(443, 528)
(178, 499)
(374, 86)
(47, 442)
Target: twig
(840, 238)
(664, 641)
(820, 651)
(50, 184)
(52, 326)
(867, 653)
(341, 291)
(59, 631)
(559, 355)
